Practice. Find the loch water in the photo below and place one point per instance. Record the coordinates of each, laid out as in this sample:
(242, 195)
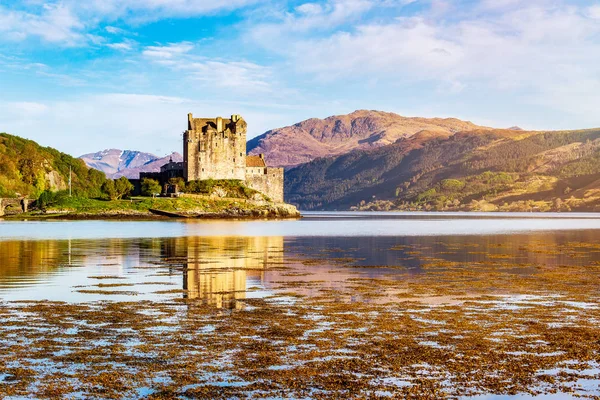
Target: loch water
(58, 260)
(506, 274)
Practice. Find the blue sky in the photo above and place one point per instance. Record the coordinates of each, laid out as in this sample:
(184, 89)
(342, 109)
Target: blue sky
(82, 76)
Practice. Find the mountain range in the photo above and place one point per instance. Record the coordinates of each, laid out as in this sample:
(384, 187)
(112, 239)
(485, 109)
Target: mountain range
(128, 163)
(373, 160)
(363, 129)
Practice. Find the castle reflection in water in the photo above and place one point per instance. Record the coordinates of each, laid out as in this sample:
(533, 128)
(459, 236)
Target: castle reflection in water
(218, 271)
(214, 270)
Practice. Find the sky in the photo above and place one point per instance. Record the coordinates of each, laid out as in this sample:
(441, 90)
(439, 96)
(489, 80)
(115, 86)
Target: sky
(83, 76)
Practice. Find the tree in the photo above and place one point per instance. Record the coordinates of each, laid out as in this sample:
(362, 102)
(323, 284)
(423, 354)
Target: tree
(95, 179)
(123, 187)
(177, 181)
(150, 187)
(108, 188)
(30, 163)
(46, 198)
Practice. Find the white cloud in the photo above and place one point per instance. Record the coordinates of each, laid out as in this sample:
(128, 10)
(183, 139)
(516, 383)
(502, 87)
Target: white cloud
(67, 21)
(375, 49)
(594, 11)
(533, 51)
(148, 10)
(114, 30)
(168, 52)
(310, 18)
(309, 9)
(512, 5)
(238, 76)
(125, 45)
(55, 23)
(119, 46)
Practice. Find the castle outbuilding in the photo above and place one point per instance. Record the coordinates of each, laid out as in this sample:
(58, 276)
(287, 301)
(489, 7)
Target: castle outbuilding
(215, 148)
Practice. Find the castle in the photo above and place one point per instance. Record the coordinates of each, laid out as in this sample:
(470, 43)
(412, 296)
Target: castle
(215, 148)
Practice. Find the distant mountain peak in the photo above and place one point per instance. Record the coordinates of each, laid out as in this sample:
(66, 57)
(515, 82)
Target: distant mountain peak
(129, 163)
(339, 134)
(515, 128)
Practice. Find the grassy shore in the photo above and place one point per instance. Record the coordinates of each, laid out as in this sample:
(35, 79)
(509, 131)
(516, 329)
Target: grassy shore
(145, 207)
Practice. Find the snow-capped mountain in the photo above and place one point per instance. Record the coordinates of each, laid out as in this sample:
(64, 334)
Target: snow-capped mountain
(116, 163)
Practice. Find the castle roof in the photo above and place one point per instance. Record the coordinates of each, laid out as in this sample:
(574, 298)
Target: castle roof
(255, 161)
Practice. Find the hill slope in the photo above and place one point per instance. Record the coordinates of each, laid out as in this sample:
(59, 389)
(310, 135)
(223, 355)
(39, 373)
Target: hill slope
(477, 170)
(116, 163)
(27, 169)
(340, 134)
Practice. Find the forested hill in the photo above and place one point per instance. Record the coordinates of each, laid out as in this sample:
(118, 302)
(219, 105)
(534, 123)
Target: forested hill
(483, 169)
(28, 169)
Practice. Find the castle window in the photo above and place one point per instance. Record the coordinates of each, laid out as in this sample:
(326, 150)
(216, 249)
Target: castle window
(240, 154)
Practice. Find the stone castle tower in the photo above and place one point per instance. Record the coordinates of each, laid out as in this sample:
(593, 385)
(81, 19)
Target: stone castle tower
(215, 148)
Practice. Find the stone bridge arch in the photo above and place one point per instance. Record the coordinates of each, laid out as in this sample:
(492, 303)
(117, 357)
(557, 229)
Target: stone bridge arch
(22, 202)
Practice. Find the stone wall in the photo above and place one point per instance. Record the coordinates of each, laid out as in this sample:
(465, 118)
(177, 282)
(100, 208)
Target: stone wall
(215, 148)
(270, 182)
(18, 205)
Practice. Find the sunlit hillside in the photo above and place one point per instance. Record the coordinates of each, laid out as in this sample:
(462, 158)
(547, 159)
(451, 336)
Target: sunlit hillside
(28, 169)
(484, 170)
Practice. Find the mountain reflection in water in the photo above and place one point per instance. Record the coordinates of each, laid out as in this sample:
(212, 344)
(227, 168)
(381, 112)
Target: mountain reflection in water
(223, 271)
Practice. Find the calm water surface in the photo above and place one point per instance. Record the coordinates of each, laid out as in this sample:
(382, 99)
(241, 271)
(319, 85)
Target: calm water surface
(224, 261)
(313, 224)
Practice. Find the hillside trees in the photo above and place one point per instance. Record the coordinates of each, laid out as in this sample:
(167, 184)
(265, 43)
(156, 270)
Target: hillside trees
(475, 168)
(117, 189)
(150, 187)
(28, 169)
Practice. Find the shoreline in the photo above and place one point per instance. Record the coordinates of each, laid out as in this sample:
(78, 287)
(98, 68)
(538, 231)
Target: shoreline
(160, 209)
(83, 216)
(242, 215)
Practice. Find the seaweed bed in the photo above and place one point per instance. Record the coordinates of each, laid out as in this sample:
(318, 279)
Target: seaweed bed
(495, 325)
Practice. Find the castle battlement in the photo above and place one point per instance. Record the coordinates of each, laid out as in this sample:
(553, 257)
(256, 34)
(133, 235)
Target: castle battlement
(215, 148)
